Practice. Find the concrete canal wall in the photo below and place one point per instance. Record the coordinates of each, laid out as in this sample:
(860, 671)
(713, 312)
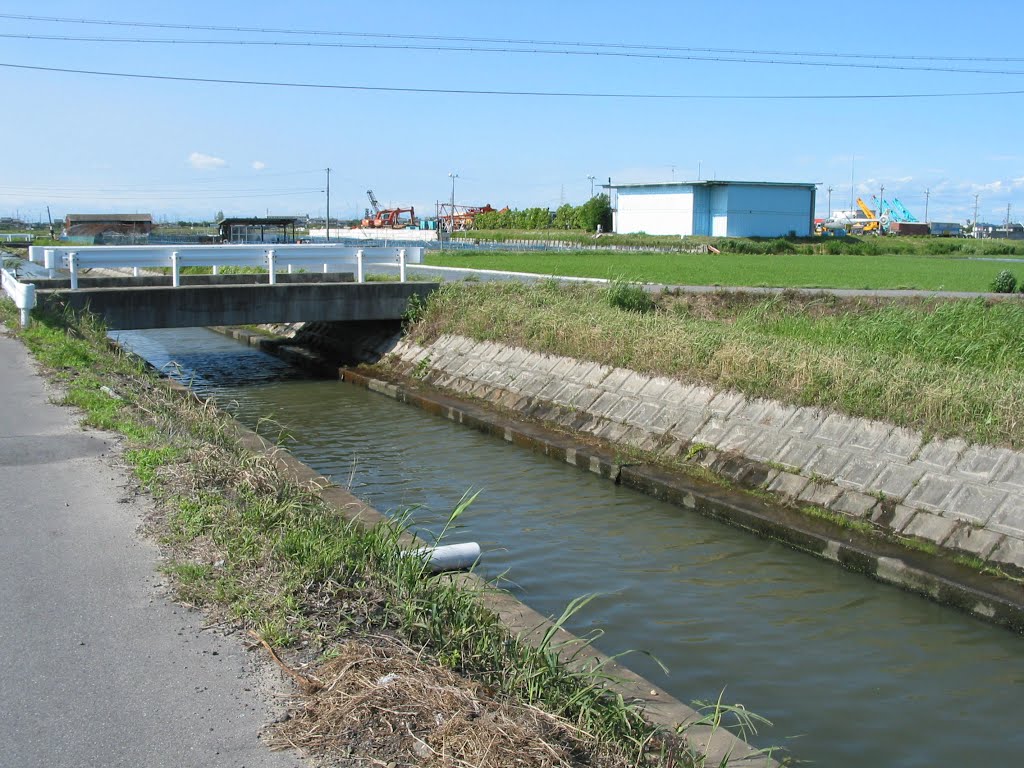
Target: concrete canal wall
(947, 493)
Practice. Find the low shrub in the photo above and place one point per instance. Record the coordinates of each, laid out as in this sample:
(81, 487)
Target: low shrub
(1005, 282)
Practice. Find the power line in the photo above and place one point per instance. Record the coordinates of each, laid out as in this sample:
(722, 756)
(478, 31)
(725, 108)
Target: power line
(498, 40)
(547, 94)
(145, 196)
(531, 51)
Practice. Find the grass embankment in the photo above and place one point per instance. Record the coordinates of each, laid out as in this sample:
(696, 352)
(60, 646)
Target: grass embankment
(863, 245)
(847, 270)
(948, 368)
(266, 554)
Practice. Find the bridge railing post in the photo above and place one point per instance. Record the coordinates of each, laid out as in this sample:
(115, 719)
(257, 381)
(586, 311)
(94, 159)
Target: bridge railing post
(272, 266)
(48, 262)
(401, 265)
(29, 301)
(359, 265)
(175, 270)
(216, 269)
(73, 268)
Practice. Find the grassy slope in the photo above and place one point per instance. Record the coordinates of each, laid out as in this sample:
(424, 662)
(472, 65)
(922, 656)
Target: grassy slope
(948, 368)
(783, 270)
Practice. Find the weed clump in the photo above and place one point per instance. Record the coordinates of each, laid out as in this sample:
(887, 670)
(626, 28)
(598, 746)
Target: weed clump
(630, 297)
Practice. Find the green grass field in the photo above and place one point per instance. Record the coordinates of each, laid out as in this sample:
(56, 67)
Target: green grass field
(912, 271)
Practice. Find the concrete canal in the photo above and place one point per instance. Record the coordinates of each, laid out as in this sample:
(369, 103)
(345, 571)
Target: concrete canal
(850, 671)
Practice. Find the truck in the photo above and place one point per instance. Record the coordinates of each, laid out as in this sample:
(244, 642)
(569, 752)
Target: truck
(945, 229)
(908, 228)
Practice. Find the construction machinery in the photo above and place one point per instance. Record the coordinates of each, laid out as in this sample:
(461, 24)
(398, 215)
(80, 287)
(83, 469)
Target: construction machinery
(459, 218)
(387, 217)
(905, 215)
(870, 223)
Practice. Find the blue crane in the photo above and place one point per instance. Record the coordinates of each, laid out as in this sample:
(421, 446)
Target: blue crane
(904, 213)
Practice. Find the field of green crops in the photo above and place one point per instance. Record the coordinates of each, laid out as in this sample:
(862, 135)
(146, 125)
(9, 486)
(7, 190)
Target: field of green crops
(796, 270)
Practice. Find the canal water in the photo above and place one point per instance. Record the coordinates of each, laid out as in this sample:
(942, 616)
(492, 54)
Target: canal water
(851, 672)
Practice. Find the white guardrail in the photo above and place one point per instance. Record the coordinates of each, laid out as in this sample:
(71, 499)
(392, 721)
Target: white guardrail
(272, 258)
(24, 294)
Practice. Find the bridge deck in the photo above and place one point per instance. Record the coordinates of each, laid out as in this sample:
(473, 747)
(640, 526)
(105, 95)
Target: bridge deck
(224, 304)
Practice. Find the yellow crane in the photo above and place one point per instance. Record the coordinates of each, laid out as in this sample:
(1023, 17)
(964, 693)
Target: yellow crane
(872, 223)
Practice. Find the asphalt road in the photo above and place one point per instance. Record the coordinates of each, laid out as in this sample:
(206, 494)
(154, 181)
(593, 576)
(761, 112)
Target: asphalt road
(97, 666)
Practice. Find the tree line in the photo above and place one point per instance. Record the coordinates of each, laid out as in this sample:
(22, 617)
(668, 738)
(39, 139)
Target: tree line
(595, 213)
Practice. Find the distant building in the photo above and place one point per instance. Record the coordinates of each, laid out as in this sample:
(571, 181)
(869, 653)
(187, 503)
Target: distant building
(99, 225)
(716, 208)
(1012, 231)
(271, 229)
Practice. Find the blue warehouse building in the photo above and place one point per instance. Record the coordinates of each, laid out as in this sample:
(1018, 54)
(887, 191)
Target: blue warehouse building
(716, 208)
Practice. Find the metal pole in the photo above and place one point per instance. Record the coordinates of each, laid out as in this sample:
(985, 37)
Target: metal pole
(927, 194)
(830, 202)
(328, 205)
(591, 187)
(451, 228)
(975, 227)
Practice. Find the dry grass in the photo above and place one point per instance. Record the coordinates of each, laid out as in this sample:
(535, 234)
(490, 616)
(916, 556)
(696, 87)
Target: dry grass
(384, 699)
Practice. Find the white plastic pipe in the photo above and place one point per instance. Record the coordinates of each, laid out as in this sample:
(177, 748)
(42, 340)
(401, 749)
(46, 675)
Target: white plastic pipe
(450, 557)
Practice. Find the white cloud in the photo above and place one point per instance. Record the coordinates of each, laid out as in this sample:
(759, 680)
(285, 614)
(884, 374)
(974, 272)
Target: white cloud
(205, 162)
(258, 165)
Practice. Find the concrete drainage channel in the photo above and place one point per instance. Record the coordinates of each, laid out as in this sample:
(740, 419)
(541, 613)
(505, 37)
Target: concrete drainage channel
(999, 601)
(938, 579)
(719, 746)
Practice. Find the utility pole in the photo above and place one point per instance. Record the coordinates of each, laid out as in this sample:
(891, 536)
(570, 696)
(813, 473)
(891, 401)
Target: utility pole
(853, 159)
(927, 194)
(328, 204)
(975, 226)
(881, 196)
(591, 187)
(830, 202)
(451, 227)
(1008, 219)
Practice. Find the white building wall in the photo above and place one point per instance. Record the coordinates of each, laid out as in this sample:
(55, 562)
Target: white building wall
(756, 211)
(655, 210)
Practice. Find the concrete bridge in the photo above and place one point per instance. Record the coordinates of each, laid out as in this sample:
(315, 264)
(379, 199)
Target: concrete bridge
(135, 302)
(318, 292)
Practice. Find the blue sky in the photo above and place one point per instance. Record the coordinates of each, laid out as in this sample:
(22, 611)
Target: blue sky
(91, 143)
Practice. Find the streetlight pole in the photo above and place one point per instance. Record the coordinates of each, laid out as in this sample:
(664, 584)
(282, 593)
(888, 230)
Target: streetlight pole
(328, 204)
(927, 194)
(591, 187)
(451, 227)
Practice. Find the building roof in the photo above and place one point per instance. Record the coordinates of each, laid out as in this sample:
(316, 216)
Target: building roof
(716, 183)
(260, 221)
(86, 218)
